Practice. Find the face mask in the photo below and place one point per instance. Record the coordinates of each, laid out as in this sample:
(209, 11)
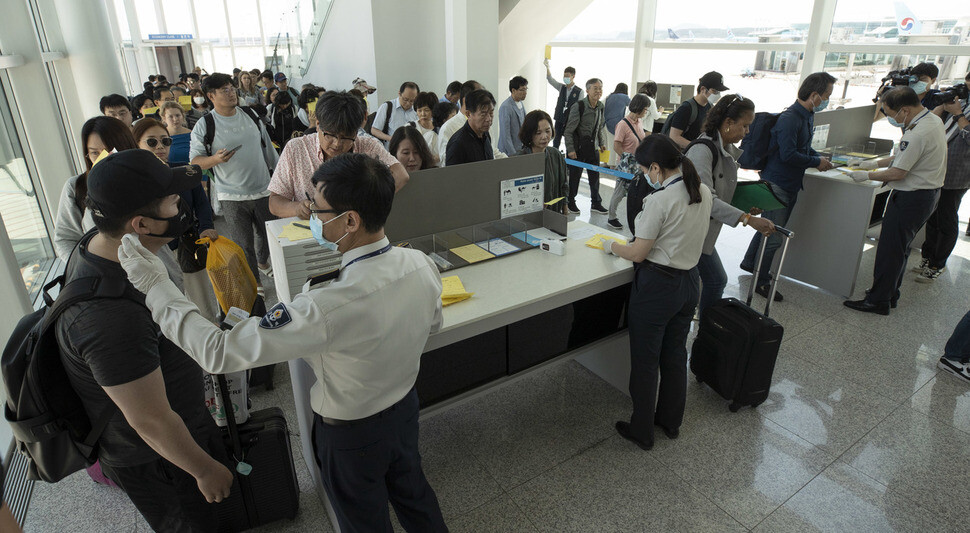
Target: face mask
(712, 99)
(567, 80)
(895, 123)
(655, 185)
(919, 86)
(178, 224)
(199, 100)
(821, 105)
(316, 228)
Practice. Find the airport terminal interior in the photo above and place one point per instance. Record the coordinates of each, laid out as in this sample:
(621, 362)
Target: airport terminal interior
(864, 422)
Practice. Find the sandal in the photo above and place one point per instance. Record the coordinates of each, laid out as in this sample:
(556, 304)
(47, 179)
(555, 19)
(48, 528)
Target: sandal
(268, 271)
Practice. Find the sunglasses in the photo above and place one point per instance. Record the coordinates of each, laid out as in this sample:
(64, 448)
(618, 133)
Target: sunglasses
(152, 142)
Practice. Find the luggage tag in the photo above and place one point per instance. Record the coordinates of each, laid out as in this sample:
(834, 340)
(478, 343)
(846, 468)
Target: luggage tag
(244, 468)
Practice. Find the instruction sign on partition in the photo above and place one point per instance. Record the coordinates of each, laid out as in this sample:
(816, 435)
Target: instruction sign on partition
(521, 195)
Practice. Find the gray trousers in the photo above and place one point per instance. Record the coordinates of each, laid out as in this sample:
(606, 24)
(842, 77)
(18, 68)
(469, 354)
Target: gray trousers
(661, 308)
(246, 221)
(619, 193)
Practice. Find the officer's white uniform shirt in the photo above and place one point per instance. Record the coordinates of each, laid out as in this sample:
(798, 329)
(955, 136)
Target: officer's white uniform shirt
(679, 229)
(363, 334)
(922, 154)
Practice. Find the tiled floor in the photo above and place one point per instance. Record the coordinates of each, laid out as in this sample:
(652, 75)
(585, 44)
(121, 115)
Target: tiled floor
(861, 432)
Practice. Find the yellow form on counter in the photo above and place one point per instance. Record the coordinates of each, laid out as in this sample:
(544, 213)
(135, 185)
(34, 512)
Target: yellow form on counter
(452, 291)
(596, 241)
(296, 231)
(472, 253)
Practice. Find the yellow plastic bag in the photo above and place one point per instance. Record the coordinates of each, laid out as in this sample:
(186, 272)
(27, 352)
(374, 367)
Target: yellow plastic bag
(232, 279)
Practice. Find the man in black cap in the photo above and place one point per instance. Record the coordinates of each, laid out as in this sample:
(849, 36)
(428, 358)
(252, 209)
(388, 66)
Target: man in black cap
(684, 124)
(160, 440)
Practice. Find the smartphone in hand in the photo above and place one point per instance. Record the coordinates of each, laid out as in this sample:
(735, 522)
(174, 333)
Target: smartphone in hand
(232, 151)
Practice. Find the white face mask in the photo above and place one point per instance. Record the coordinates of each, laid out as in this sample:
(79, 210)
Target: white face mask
(199, 100)
(567, 80)
(713, 98)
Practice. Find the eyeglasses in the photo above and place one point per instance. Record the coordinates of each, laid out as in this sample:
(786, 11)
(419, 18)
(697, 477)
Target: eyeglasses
(312, 208)
(228, 90)
(152, 142)
(331, 137)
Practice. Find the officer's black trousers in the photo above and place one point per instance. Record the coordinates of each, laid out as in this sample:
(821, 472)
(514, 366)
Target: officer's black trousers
(906, 212)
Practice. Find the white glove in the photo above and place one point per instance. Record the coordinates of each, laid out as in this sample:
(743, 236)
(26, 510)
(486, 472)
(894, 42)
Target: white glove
(607, 247)
(855, 162)
(859, 175)
(145, 269)
(870, 164)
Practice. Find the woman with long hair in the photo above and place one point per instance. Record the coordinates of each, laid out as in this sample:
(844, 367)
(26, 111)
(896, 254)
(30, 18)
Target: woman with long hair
(73, 220)
(410, 148)
(173, 117)
(670, 234)
(715, 157)
(248, 92)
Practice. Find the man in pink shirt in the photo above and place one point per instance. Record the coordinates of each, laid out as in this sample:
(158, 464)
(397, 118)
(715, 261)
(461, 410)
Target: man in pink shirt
(339, 116)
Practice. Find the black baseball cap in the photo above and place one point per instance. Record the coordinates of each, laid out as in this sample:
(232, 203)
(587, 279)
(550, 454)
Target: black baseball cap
(128, 180)
(713, 80)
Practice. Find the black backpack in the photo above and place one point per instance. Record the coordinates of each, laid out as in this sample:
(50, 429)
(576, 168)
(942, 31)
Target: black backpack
(694, 111)
(715, 153)
(387, 118)
(210, 128)
(45, 413)
(757, 143)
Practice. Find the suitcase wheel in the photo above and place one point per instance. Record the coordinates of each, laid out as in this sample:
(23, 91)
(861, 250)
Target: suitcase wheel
(734, 407)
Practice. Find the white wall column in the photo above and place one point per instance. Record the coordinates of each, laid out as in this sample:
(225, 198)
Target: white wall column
(643, 42)
(823, 13)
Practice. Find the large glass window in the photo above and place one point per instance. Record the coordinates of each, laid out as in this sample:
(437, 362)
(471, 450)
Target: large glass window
(122, 16)
(147, 19)
(603, 20)
(211, 18)
(769, 78)
(244, 21)
(937, 22)
(749, 21)
(177, 16)
(20, 205)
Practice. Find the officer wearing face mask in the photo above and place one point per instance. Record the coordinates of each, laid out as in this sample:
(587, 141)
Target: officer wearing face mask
(670, 234)
(684, 125)
(363, 335)
(915, 173)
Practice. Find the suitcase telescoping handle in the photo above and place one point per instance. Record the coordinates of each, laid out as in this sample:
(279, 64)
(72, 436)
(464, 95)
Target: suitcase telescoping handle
(757, 266)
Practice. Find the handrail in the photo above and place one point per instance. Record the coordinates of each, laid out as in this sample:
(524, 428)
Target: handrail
(320, 18)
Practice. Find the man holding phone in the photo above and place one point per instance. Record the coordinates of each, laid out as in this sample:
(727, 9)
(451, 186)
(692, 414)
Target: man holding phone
(241, 156)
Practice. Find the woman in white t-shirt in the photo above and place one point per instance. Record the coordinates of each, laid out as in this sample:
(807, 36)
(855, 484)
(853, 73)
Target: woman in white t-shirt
(653, 112)
(424, 107)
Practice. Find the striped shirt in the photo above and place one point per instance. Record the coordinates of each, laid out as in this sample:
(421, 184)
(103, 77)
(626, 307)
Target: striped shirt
(950, 122)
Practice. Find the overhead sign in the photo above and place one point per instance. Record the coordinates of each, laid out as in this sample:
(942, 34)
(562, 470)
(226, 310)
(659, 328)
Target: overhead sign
(169, 36)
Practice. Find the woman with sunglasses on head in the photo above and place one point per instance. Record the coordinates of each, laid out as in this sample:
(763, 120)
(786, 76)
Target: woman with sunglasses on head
(715, 157)
(151, 135)
(670, 234)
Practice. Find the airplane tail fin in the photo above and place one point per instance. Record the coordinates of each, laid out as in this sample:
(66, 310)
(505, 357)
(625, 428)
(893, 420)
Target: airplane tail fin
(671, 34)
(906, 21)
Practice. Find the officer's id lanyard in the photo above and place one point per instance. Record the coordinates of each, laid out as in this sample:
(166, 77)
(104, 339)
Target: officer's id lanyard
(919, 118)
(319, 280)
(368, 256)
(675, 180)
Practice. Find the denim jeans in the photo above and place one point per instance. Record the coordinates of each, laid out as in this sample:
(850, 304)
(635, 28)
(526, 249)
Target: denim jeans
(958, 347)
(713, 279)
(780, 218)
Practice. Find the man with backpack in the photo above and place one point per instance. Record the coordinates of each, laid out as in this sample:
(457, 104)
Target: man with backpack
(789, 153)
(684, 124)
(569, 94)
(234, 143)
(159, 439)
(394, 114)
(585, 135)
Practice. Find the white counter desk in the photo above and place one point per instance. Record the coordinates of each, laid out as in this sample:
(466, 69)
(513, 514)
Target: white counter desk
(830, 222)
(529, 308)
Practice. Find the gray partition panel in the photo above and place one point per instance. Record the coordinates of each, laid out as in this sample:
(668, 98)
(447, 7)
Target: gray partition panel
(442, 199)
(847, 126)
(663, 94)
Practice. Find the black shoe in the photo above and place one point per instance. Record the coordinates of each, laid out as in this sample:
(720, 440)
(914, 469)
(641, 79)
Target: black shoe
(866, 307)
(573, 208)
(597, 208)
(749, 270)
(623, 428)
(614, 223)
(670, 433)
(892, 303)
(764, 290)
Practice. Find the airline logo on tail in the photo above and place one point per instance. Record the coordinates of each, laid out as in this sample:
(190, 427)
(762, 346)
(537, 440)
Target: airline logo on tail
(906, 21)
(671, 34)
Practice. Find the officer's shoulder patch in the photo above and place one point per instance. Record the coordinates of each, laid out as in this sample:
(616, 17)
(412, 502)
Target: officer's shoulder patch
(903, 145)
(277, 317)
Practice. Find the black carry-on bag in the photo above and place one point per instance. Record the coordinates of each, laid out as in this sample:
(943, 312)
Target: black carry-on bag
(736, 346)
(265, 488)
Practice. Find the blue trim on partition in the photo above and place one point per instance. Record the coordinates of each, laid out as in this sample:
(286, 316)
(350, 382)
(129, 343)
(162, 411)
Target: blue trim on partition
(597, 168)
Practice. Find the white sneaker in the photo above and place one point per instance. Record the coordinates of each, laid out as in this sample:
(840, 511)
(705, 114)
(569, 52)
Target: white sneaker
(921, 266)
(955, 368)
(929, 274)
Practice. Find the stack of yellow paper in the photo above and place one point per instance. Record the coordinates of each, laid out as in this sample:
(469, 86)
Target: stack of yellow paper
(296, 231)
(452, 291)
(596, 241)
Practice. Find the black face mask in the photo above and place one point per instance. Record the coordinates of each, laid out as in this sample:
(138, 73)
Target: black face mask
(178, 224)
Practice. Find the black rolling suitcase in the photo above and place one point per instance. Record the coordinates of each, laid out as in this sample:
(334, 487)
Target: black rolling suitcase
(265, 488)
(736, 346)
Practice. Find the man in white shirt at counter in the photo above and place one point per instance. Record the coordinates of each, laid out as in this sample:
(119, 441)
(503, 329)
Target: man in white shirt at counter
(916, 175)
(363, 335)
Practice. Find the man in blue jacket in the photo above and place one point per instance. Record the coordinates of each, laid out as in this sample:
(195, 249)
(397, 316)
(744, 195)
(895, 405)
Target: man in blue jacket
(789, 155)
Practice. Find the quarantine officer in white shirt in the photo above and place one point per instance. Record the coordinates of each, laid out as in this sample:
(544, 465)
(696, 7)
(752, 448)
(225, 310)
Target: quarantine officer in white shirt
(916, 174)
(670, 234)
(363, 334)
